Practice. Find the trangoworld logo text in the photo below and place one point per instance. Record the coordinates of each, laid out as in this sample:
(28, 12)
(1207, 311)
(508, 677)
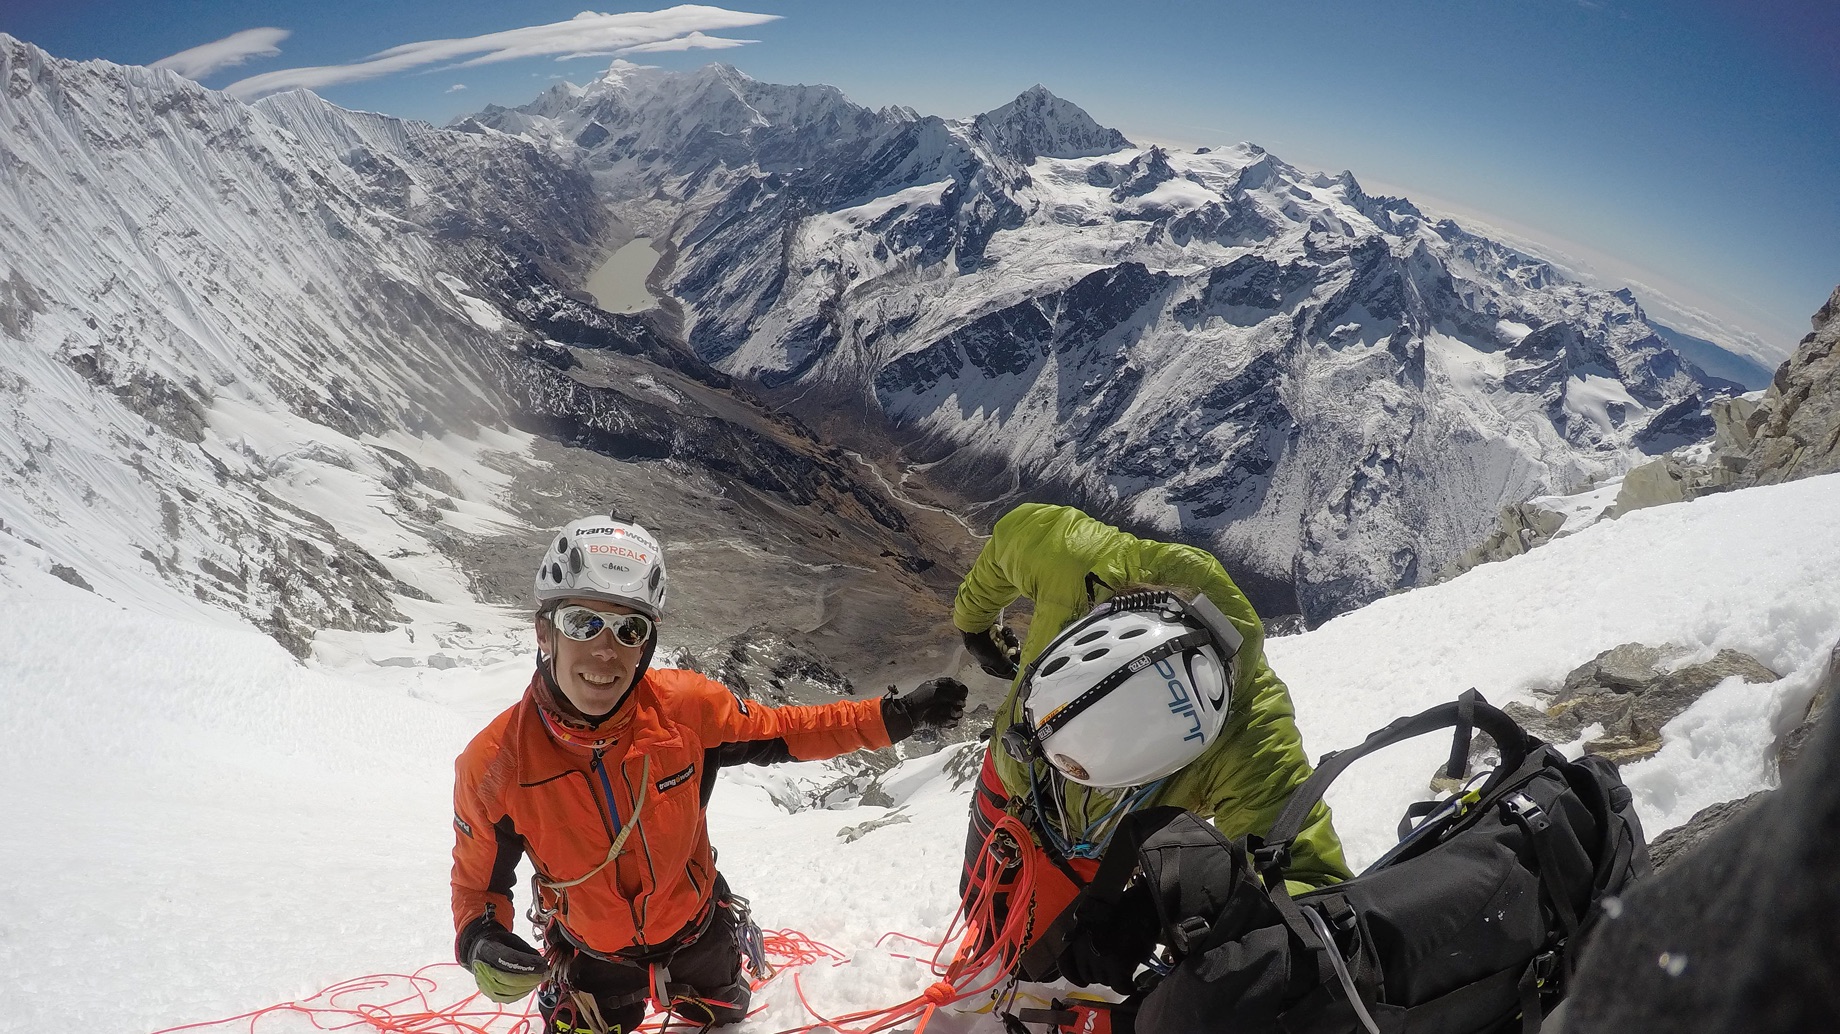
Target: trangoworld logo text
(673, 780)
(1179, 702)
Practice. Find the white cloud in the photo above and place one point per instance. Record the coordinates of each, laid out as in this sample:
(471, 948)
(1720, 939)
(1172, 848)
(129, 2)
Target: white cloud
(588, 33)
(694, 41)
(228, 52)
(456, 88)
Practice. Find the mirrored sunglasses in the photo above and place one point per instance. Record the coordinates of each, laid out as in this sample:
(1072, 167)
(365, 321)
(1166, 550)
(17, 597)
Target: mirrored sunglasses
(583, 624)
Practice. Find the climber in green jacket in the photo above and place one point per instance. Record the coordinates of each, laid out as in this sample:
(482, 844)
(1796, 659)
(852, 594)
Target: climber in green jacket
(1240, 774)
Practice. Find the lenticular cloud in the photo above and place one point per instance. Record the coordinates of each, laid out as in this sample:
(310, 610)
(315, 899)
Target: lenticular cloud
(588, 33)
(228, 52)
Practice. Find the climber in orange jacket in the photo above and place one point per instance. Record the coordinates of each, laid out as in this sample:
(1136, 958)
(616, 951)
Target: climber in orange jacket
(601, 774)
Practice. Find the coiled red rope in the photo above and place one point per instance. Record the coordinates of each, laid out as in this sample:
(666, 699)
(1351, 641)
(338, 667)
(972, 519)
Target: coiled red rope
(980, 947)
(967, 961)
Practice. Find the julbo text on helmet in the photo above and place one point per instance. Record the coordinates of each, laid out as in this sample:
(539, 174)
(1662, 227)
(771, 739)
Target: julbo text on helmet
(600, 558)
(1133, 691)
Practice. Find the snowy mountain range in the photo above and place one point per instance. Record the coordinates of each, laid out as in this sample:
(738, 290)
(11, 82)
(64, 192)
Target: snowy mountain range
(303, 367)
(284, 382)
(1329, 388)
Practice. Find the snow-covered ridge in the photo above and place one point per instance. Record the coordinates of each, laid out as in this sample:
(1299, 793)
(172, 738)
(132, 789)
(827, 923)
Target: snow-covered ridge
(1330, 388)
(218, 321)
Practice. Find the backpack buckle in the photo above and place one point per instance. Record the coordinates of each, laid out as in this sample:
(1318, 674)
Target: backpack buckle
(1527, 812)
(1267, 857)
(1189, 933)
(1544, 966)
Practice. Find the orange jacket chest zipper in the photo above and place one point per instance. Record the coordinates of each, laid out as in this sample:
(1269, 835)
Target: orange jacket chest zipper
(518, 788)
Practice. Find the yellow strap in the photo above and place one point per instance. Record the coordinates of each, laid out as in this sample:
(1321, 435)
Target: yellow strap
(588, 1009)
(645, 783)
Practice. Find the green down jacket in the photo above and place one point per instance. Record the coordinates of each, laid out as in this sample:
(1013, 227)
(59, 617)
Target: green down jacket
(1047, 553)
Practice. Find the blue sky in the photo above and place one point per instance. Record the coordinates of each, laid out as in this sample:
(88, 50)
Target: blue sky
(1688, 146)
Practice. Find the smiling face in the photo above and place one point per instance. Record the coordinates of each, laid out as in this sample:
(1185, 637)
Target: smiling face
(594, 675)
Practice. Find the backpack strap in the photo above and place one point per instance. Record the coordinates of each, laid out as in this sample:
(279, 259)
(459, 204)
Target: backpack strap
(1099, 896)
(1459, 743)
(1537, 826)
(1122, 855)
(1469, 711)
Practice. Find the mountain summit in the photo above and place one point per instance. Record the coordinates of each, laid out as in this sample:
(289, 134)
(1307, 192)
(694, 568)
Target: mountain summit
(1038, 124)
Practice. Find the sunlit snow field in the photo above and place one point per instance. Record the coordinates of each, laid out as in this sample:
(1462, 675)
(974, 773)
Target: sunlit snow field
(200, 827)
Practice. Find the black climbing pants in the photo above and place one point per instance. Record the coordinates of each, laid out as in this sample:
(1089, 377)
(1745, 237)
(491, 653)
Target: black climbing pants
(701, 977)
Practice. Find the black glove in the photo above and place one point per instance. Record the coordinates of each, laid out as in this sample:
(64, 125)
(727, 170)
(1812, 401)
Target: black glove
(1108, 948)
(932, 705)
(504, 965)
(996, 649)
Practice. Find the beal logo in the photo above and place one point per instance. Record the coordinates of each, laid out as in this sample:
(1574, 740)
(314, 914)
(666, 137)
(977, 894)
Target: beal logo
(1179, 702)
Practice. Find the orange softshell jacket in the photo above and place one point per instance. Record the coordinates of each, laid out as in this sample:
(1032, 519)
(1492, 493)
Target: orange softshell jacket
(518, 790)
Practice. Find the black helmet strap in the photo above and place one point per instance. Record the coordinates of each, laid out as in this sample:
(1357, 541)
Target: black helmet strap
(1191, 640)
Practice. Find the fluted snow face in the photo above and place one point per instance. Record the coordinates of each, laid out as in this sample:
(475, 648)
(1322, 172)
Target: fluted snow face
(222, 320)
(1331, 389)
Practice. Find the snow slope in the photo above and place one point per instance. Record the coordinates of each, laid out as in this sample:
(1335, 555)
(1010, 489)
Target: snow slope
(219, 829)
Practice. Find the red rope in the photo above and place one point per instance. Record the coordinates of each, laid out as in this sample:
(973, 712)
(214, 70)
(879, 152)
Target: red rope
(967, 963)
(472, 1014)
(978, 964)
(414, 1010)
(796, 949)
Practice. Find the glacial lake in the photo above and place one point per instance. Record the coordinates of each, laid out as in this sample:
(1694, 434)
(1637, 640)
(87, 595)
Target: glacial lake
(619, 284)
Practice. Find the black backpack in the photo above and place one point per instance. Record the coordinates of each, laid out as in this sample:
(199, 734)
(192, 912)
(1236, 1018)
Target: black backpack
(1467, 926)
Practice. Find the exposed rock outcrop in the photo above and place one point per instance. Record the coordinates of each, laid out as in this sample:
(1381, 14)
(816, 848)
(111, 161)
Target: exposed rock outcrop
(1669, 479)
(1523, 526)
(1705, 824)
(1738, 933)
(1628, 693)
(1794, 747)
(1792, 432)
(1797, 426)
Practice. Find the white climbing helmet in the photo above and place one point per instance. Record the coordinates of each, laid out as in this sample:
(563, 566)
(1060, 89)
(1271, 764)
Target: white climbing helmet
(600, 558)
(1132, 692)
